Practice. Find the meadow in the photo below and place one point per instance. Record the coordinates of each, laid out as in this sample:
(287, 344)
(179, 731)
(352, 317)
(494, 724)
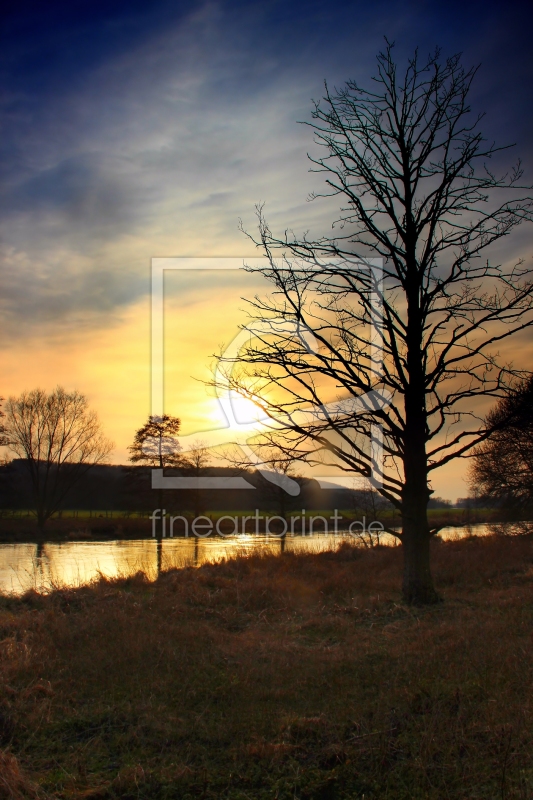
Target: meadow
(281, 677)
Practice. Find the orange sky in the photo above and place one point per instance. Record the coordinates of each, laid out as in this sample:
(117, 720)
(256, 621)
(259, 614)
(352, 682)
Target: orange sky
(152, 134)
(111, 365)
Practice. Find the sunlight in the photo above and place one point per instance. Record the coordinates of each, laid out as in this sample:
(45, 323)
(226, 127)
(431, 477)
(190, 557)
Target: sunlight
(245, 411)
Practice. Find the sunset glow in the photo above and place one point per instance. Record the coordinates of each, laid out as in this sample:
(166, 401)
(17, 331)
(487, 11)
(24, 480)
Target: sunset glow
(156, 145)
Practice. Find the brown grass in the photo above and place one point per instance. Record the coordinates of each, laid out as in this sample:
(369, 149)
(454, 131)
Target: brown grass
(277, 677)
(14, 785)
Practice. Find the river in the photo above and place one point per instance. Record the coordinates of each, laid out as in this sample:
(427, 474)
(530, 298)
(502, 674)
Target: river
(67, 564)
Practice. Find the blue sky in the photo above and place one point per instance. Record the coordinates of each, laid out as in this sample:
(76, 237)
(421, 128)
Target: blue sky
(132, 130)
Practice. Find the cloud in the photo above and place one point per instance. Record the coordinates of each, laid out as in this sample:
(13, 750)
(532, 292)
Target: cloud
(160, 147)
(143, 130)
(148, 158)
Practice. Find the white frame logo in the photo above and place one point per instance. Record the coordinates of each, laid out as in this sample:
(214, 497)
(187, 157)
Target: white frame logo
(237, 431)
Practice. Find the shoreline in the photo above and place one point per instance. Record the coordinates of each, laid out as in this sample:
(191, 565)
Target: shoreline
(22, 530)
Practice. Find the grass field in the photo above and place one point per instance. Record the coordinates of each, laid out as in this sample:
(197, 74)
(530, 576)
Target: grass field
(276, 677)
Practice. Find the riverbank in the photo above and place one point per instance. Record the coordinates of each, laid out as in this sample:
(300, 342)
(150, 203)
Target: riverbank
(19, 528)
(300, 676)
(23, 529)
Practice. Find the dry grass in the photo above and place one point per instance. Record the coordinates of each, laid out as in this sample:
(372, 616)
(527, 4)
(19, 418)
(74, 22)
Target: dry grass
(276, 677)
(14, 785)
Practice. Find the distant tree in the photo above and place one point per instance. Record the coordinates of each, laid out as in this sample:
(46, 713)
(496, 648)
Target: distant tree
(195, 461)
(502, 467)
(4, 463)
(59, 440)
(370, 507)
(439, 502)
(3, 438)
(156, 443)
(280, 463)
(197, 458)
(274, 494)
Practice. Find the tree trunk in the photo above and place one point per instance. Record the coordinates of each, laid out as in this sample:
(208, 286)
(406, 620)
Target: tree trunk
(418, 588)
(159, 556)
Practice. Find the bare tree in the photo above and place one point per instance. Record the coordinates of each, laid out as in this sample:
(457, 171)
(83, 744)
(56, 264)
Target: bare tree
(195, 460)
(415, 351)
(4, 462)
(197, 457)
(281, 462)
(59, 440)
(502, 467)
(370, 507)
(3, 437)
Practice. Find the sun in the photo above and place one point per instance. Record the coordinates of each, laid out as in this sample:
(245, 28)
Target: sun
(245, 411)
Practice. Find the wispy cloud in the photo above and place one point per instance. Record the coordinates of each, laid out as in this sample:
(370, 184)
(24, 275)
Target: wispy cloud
(159, 148)
(157, 153)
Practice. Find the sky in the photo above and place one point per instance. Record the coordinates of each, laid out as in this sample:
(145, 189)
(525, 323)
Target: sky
(134, 130)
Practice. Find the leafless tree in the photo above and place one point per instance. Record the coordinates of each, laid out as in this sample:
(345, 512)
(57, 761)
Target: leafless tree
(196, 460)
(414, 352)
(3, 438)
(59, 440)
(281, 462)
(370, 507)
(197, 457)
(4, 462)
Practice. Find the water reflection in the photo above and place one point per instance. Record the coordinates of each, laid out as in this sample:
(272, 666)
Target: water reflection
(45, 566)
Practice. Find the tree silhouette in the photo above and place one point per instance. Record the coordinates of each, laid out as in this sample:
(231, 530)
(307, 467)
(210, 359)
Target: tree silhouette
(502, 467)
(411, 351)
(195, 461)
(59, 440)
(280, 462)
(3, 437)
(156, 443)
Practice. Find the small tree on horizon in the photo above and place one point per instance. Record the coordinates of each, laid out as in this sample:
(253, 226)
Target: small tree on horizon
(3, 437)
(281, 462)
(156, 443)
